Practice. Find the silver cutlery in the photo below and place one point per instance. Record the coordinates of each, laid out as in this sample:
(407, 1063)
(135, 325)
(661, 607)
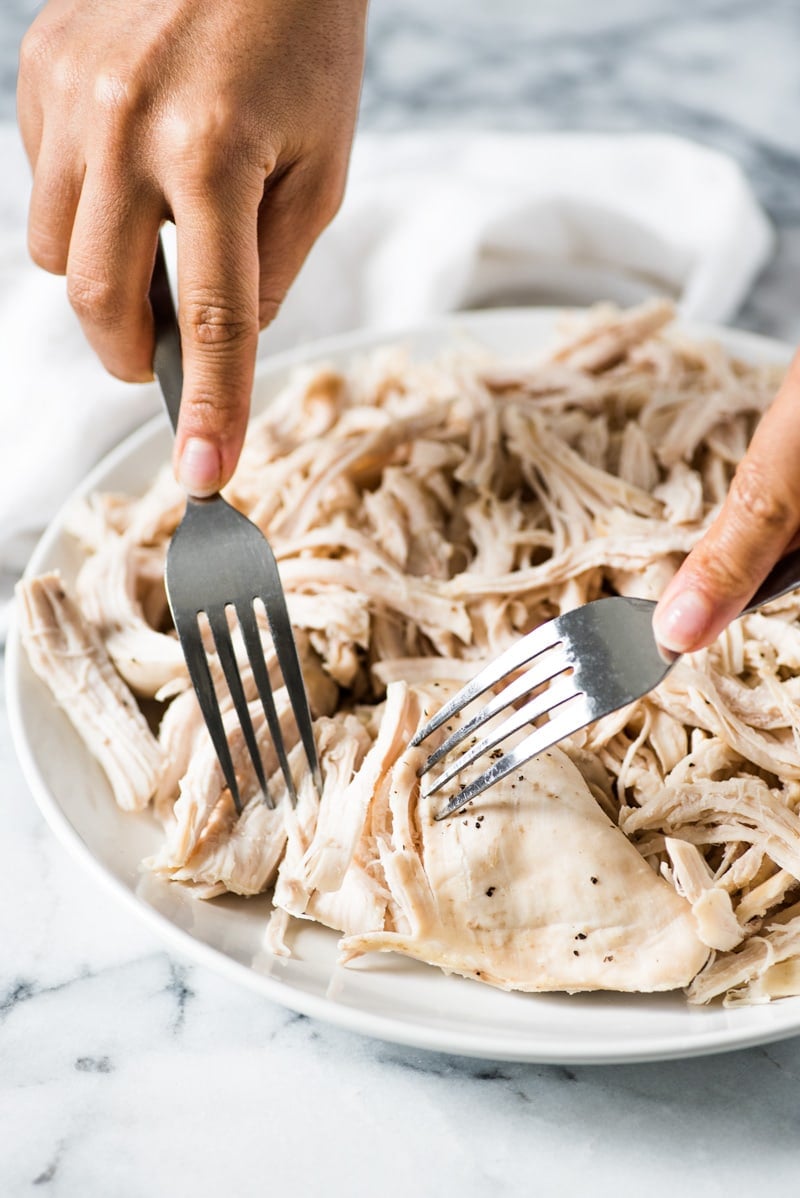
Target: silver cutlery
(219, 560)
(583, 665)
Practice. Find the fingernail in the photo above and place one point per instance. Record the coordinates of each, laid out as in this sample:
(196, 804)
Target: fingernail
(199, 467)
(683, 622)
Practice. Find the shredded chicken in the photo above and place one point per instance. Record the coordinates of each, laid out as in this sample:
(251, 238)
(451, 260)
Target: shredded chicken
(425, 515)
(69, 656)
(492, 894)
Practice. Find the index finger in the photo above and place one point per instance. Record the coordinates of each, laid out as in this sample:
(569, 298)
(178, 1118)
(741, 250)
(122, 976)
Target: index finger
(218, 314)
(755, 526)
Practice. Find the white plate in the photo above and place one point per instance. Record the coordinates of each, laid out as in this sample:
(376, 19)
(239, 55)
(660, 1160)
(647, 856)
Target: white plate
(383, 995)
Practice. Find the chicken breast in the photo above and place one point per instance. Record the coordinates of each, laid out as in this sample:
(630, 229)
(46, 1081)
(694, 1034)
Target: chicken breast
(534, 889)
(68, 654)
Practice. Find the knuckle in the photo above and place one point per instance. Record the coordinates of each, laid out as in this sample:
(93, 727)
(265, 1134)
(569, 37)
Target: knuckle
(179, 135)
(210, 322)
(210, 407)
(46, 64)
(208, 146)
(95, 301)
(722, 574)
(116, 96)
(755, 502)
(755, 523)
(212, 412)
(37, 46)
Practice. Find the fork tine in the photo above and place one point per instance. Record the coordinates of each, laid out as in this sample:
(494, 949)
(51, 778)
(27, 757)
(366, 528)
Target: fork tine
(197, 664)
(222, 639)
(561, 690)
(530, 645)
(255, 652)
(540, 673)
(283, 638)
(569, 721)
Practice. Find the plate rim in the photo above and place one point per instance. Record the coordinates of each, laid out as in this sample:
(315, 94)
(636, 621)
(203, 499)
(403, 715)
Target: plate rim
(390, 1028)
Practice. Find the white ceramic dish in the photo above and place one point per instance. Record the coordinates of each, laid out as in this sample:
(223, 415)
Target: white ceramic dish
(383, 995)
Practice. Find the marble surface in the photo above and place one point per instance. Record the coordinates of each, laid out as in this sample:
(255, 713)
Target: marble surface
(126, 1071)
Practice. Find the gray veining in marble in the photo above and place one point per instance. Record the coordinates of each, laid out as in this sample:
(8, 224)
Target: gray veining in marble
(717, 71)
(125, 1071)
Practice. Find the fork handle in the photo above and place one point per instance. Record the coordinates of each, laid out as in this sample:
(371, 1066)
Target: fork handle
(784, 576)
(167, 361)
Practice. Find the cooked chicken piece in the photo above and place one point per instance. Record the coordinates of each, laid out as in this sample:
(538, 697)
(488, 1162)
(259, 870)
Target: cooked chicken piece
(483, 464)
(363, 457)
(388, 521)
(181, 733)
(418, 670)
(492, 527)
(358, 902)
(149, 520)
(340, 824)
(440, 617)
(625, 552)
(204, 796)
(682, 494)
(566, 474)
(477, 902)
(637, 463)
(781, 634)
(711, 812)
(725, 395)
(692, 693)
(68, 655)
(240, 854)
(765, 897)
(428, 549)
(493, 894)
(148, 660)
(765, 967)
(717, 925)
(607, 339)
(92, 518)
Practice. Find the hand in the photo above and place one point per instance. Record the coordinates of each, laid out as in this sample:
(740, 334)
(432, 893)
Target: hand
(234, 120)
(757, 524)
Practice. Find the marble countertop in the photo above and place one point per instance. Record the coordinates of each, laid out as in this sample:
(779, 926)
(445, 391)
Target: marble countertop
(124, 1070)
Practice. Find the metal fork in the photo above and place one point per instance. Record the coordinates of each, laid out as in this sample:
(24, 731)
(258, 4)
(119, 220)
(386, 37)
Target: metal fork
(218, 559)
(594, 660)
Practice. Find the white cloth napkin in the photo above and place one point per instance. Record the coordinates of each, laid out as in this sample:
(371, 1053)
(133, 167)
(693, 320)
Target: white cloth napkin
(432, 222)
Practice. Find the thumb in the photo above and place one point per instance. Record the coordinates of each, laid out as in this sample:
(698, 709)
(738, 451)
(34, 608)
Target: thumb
(758, 520)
